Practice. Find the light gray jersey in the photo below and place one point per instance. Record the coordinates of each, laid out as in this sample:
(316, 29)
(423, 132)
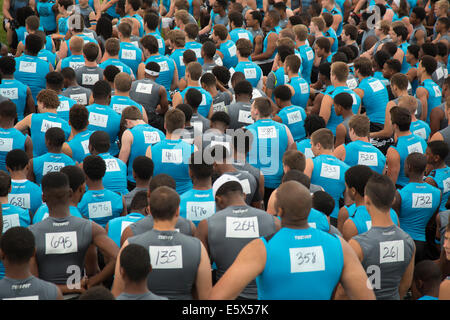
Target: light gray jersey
(257, 93)
(220, 101)
(199, 122)
(412, 39)
(446, 135)
(136, 41)
(143, 296)
(419, 106)
(256, 33)
(80, 94)
(30, 288)
(146, 93)
(130, 195)
(230, 230)
(60, 243)
(146, 224)
(240, 115)
(246, 167)
(440, 74)
(207, 67)
(88, 76)
(444, 121)
(175, 258)
(444, 218)
(390, 249)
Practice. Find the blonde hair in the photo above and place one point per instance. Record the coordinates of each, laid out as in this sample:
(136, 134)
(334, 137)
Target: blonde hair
(301, 32)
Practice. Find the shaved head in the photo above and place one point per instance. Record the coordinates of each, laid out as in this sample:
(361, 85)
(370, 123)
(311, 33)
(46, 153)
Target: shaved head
(294, 202)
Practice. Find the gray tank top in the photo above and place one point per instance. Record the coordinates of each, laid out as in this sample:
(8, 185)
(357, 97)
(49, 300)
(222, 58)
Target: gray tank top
(240, 115)
(390, 249)
(85, 13)
(146, 224)
(88, 76)
(80, 94)
(199, 122)
(444, 121)
(247, 167)
(146, 92)
(175, 258)
(207, 67)
(30, 288)
(60, 243)
(144, 296)
(334, 230)
(221, 101)
(440, 74)
(136, 41)
(249, 185)
(413, 39)
(446, 135)
(230, 230)
(347, 135)
(214, 137)
(419, 107)
(444, 217)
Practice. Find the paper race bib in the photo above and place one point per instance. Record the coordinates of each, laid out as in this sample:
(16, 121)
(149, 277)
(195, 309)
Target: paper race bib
(166, 257)
(437, 91)
(367, 158)
(10, 220)
(160, 43)
(309, 55)
(46, 124)
(10, 93)
(422, 200)
(250, 73)
(243, 35)
(100, 209)
(312, 225)
(145, 88)
(97, 119)
(416, 147)
(172, 156)
(421, 133)
(85, 145)
(6, 144)
(124, 225)
(164, 66)
(304, 88)
(63, 106)
(392, 251)
(330, 171)
(308, 153)
(376, 85)
(242, 227)
(446, 184)
(198, 52)
(294, 117)
(75, 65)
(267, 132)
(26, 66)
(20, 200)
(89, 78)
(256, 94)
(197, 211)
(119, 108)
(307, 259)
(112, 165)
(80, 98)
(151, 137)
(245, 117)
(246, 186)
(128, 54)
(219, 106)
(61, 242)
(52, 167)
(232, 50)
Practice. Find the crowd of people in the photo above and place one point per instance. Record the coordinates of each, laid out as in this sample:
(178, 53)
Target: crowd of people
(213, 149)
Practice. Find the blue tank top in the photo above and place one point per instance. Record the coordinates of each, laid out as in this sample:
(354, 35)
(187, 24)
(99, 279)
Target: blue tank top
(42, 213)
(301, 96)
(434, 96)
(330, 33)
(161, 43)
(197, 205)
(46, 15)
(318, 220)
(294, 118)
(50, 162)
(297, 261)
(119, 64)
(329, 173)
(420, 128)
(119, 103)
(228, 50)
(197, 48)
(115, 178)
(307, 54)
(64, 107)
(10, 139)
(336, 11)
(48, 56)
(117, 225)
(15, 91)
(240, 33)
(106, 119)
(86, 40)
(265, 44)
(177, 56)
(101, 206)
(419, 202)
(79, 145)
(304, 147)
(112, 11)
(364, 153)
(405, 65)
(144, 135)
(334, 119)
(172, 157)
(442, 179)
(206, 103)
(167, 69)
(406, 145)
(270, 141)
(73, 61)
(363, 222)
(375, 95)
(251, 70)
(30, 71)
(130, 55)
(40, 123)
(63, 26)
(25, 194)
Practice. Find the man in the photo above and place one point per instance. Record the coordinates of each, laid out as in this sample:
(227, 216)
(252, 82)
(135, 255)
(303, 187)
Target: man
(325, 169)
(101, 116)
(209, 56)
(417, 203)
(220, 99)
(17, 247)
(419, 33)
(76, 29)
(349, 36)
(171, 156)
(343, 103)
(444, 134)
(177, 40)
(15, 90)
(76, 60)
(74, 91)
(39, 123)
(267, 55)
(51, 161)
(418, 127)
(395, 250)
(226, 48)
(24, 193)
(191, 30)
(11, 137)
(426, 281)
(251, 70)
(253, 21)
(429, 92)
(237, 30)
(142, 173)
(129, 54)
(187, 273)
(134, 269)
(88, 74)
(151, 22)
(298, 85)
(239, 111)
(221, 235)
(51, 262)
(306, 52)
(439, 176)
(405, 144)
(360, 150)
(111, 57)
(372, 92)
(194, 97)
(257, 259)
(55, 81)
(99, 204)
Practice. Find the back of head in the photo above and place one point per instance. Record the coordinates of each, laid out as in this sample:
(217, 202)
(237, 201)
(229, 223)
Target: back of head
(75, 175)
(294, 202)
(16, 159)
(110, 73)
(220, 31)
(112, 46)
(296, 175)
(48, 98)
(324, 43)
(55, 137)
(415, 163)
(360, 124)
(193, 97)
(409, 103)
(439, 148)
(79, 117)
(69, 74)
(363, 66)
(55, 184)
(340, 70)
(400, 81)
(8, 110)
(208, 79)
(313, 122)
(401, 117)
(284, 51)
(174, 119)
(33, 44)
(5, 183)
(294, 159)
(135, 262)
(178, 37)
(283, 93)
(244, 87)
(139, 202)
(293, 62)
(101, 90)
(323, 202)
(201, 170)
(162, 180)
(429, 274)
(97, 293)
(94, 167)
(429, 63)
(344, 99)
(222, 74)
(209, 49)
(244, 47)
(195, 70)
(263, 106)
(221, 117)
(357, 177)
(380, 190)
(187, 110)
(55, 81)
(7, 65)
(143, 167)
(76, 44)
(191, 30)
(99, 141)
(125, 29)
(323, 136)
(122, 82)
(164, 203)
(18, 245)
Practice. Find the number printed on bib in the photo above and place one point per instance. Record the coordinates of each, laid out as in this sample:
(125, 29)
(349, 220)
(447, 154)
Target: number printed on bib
(128, 54)
(166, 257)
(307, 259)
(421, 133)
(85, 145)
(368, 158)
(61, 242)
(294, 117)
(304, 88)
(6, 144)
(250, 73)
(197, 211)
(97, 119)
(242, 227)
(392, 251)
(119, 108)
(256, 93)
(160, 43)
(112, 165)
(232, 50)
(308, 153)
(145, 88)
(79, 98)
(151, 137)
(10, 93)
(172, 156)
(439, 73)
(416, 147)
(89, 78)
(29, 67)
(100, 209)
(309, 54)
(20, 200)
(63, 106)
(331, 172)
(49, 124)
(376, 85)
(164, 66)
(446, 184)
(422, 200)
(245, 117)
(219, 106)
(437, 91)
(198, 52)
(76, 65)
(10, 220)
(52, 167)
(267, 132)
(243, 35)
(352, 84)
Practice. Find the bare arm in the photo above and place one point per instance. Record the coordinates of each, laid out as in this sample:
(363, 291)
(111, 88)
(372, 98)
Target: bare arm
(387, 131)
(203, 281)
(118, 284)
(325, 108)
(125, 149)
(393, 164)
(406, 281)
(422, 95)
(30, 107)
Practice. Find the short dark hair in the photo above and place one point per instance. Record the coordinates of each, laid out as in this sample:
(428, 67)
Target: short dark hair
(5, 183)
(54, 180)
(284, 51)
(364, 66)
(313, 122)
(33, 44)
(110, 73)
(221, 116)
(164, 203)
(79, 117)
(135, 261)
(344, 99)
(236, 18)
(243, 87)
(99, 140)
(161, 180)
(201, 170)
(442, 49)
(380, 190)
(357, 177)
(429, 273)
(294, 159)
(90, 51)
(18, 245)
(208, 79)
(420, 13)
(193, 97)
(222, 74)
(150, 43)
(139, 201)
(189, 56)
(401, 31)
(401, 117)
(323, 136)
(68, 73)
(351, 31)
(429, 63)
(439, 148)
(16, 159)
(55, 137)
(296, 175)
(429, 49)
(101, 89)
(55, 80)
(257, 15)
(324, 43)
(283, 93)
(414, 49)
(151, 19)
(97, 292)
(323, 202)
(7, 65)
(209, 48)
(231, 186)
(394, 65)
(416, 162)
(263, 106)
(143, 167)
(75, 175)
(8, 110)
(187, 110)
(94, 167)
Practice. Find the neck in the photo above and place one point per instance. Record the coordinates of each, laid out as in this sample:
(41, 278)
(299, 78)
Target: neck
(339, 84)
(4, 200)
(7, 124)
(438, 165)
(102, 102)
(325, 152)
(237, 201)
(53, 150)
(402, 94)
(243, 59)
(301, 225)
(142, 183)
(213, 91)
(94, 185)
(165, 225)
(240, 98)
(136, 287)
(403, 133)
(207, 60)
(226, 167)
(46, 110)
(172, 136)
(359, 201)
(284, 104)
(7, 76)
(424, 77)
(18, 175)
(74, 132)
(192, 83)
(292, 75)
(380, 218)
(17, 271)
(204, 184)
(121, 93)
(123, 39)
(415, 178)
(59, 211)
